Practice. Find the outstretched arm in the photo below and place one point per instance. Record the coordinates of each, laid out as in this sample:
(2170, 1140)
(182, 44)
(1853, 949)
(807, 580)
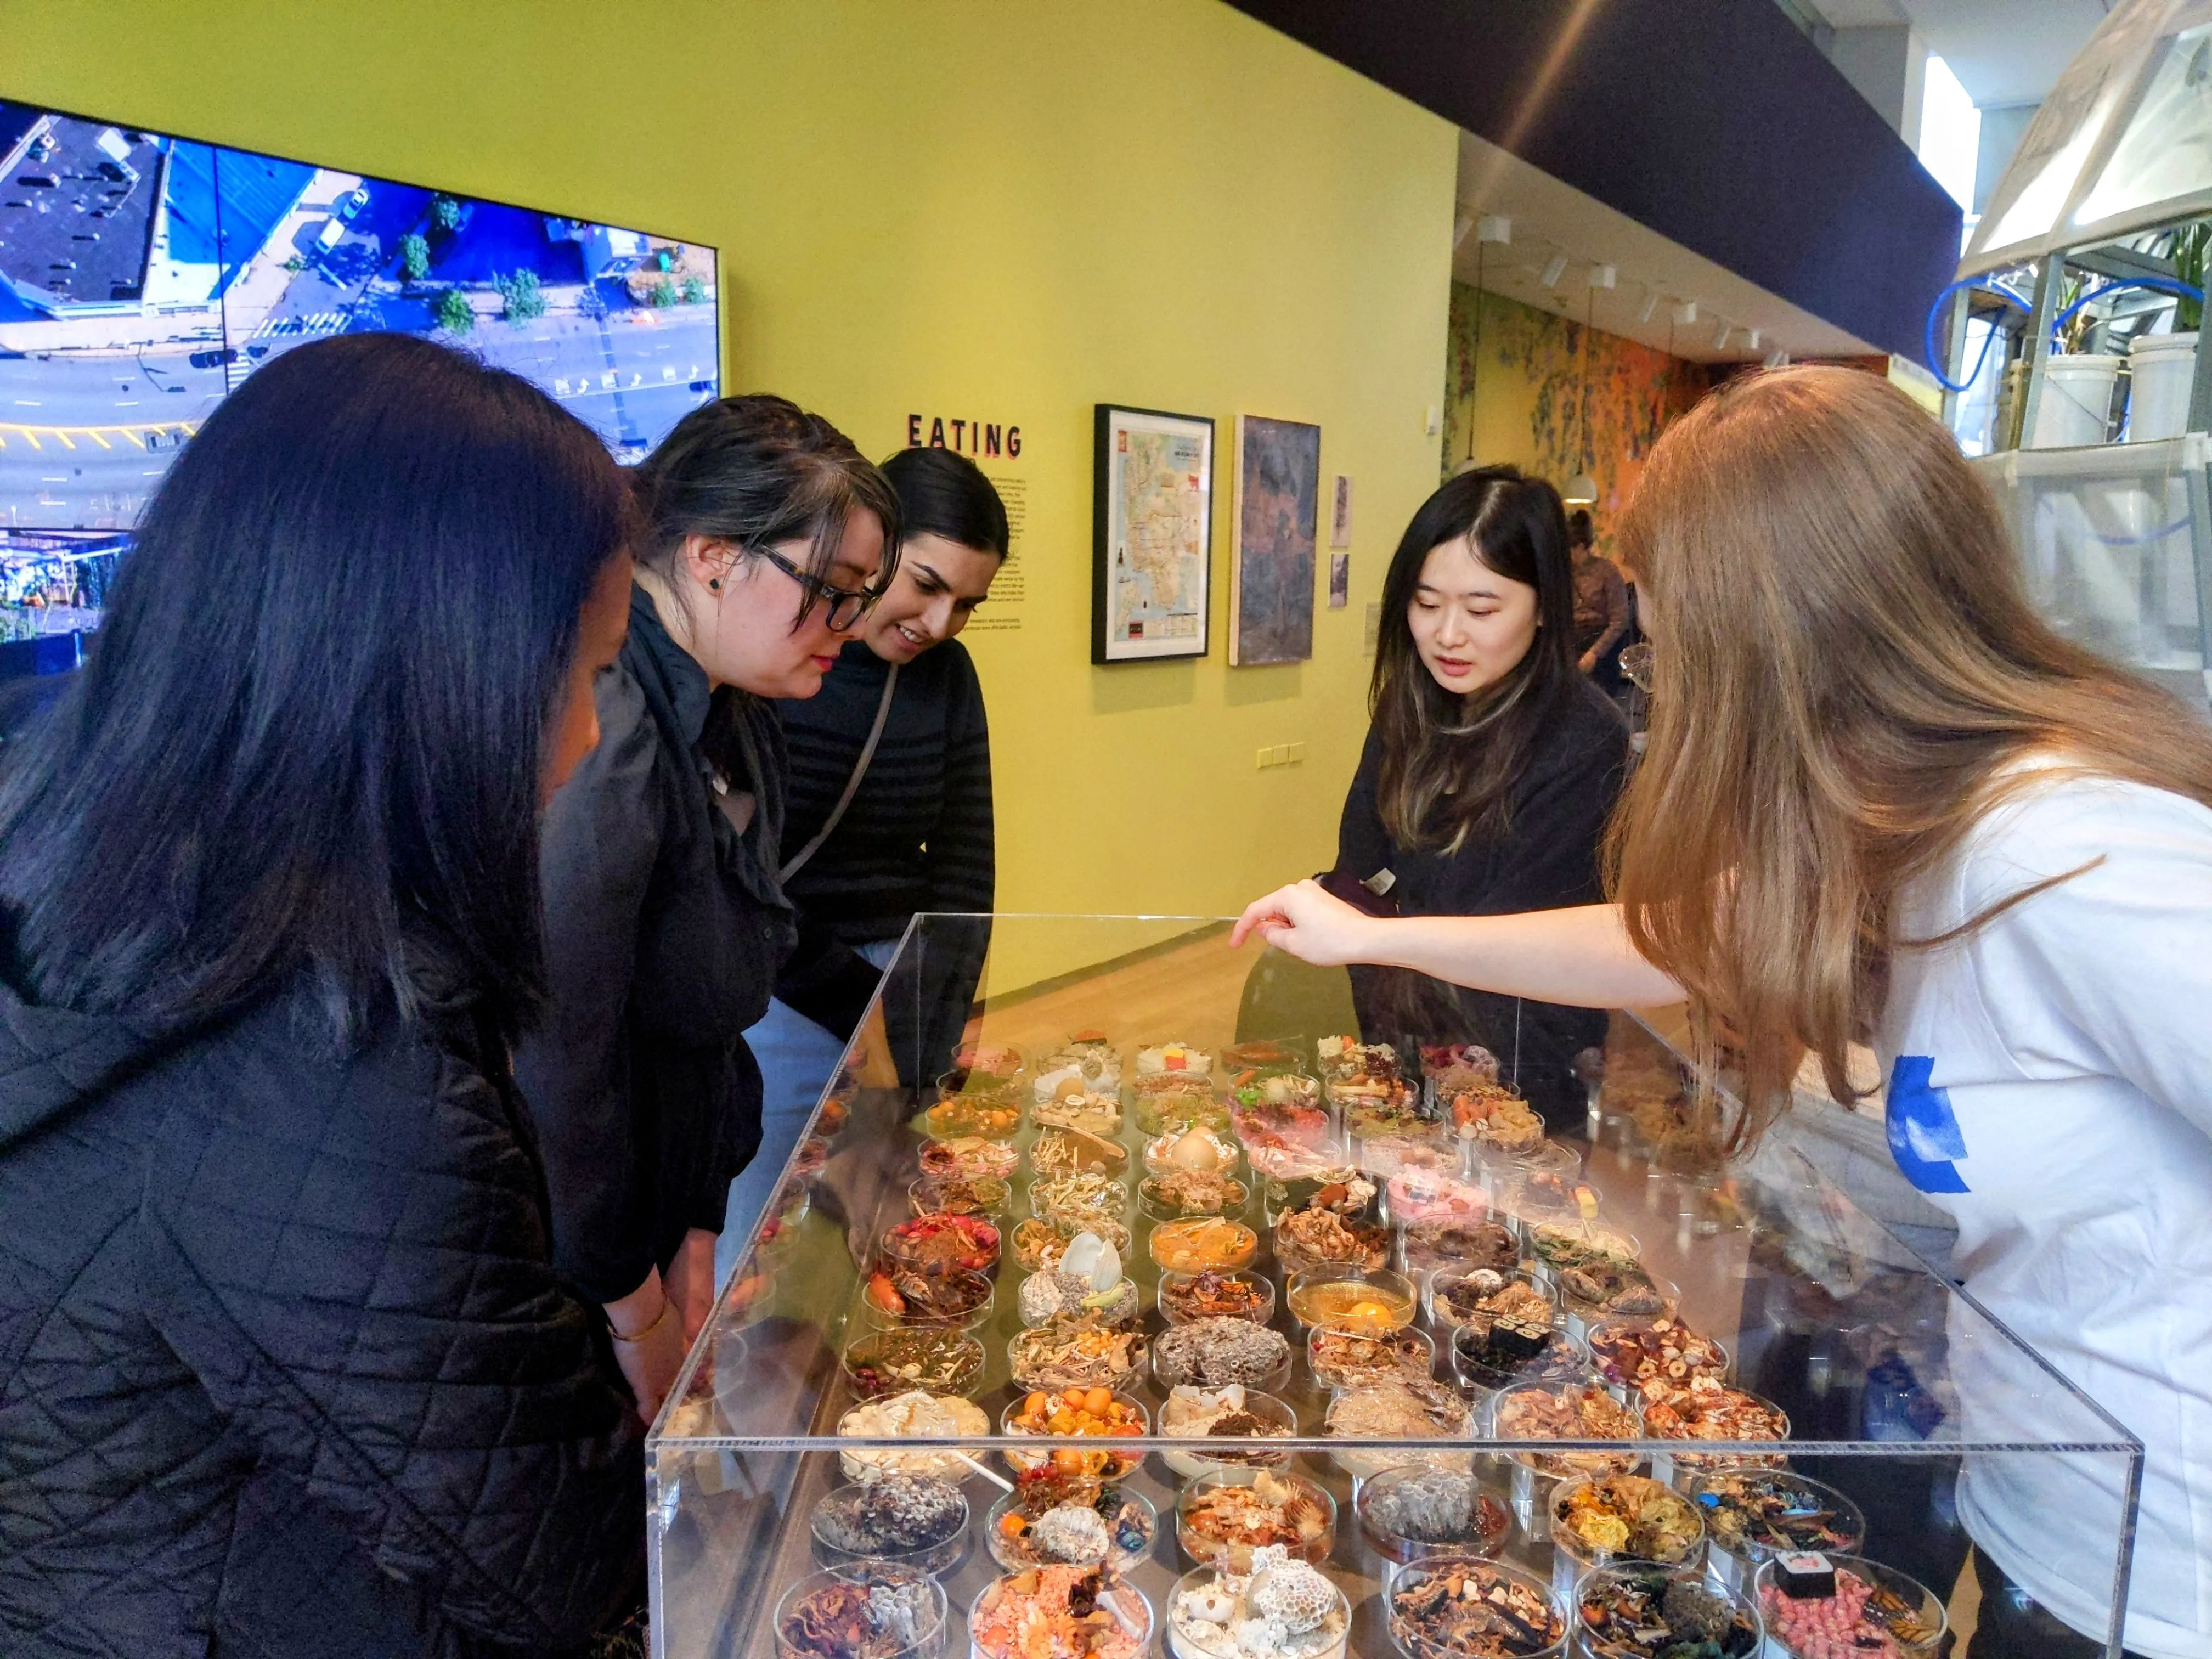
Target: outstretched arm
(1580, 956)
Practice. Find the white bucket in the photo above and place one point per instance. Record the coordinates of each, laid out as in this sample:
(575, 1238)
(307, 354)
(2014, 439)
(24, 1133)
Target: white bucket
(2077, 399)
(2162, 370)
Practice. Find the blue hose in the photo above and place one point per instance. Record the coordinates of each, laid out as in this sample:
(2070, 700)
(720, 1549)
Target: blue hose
(2172, 285)
(1928, 341)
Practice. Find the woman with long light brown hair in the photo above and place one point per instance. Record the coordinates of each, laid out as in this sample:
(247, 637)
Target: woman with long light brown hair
(1883, 802)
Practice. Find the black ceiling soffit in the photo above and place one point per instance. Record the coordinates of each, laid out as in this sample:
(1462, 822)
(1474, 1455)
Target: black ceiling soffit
(1713, 122)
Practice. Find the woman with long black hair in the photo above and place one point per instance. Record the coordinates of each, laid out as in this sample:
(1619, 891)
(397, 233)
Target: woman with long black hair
(1490, 767)
(285, 1367)
(765, 539)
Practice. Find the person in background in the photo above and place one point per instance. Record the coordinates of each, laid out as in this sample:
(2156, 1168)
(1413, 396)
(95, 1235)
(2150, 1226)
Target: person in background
(1601, 613)
(1490, 768)
(285, 1364)
(765, 534)
(891, 808)
(1882, 797)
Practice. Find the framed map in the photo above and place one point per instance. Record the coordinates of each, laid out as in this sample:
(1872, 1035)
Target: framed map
(1152, 518)
(1271, 606)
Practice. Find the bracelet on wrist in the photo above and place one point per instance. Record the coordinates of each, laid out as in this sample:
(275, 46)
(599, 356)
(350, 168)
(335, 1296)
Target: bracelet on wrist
(644, 1330)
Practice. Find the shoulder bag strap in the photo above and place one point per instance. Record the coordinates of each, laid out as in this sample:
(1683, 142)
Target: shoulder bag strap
(852, 784)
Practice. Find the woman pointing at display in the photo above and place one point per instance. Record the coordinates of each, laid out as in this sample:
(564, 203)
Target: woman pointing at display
(1882, 799)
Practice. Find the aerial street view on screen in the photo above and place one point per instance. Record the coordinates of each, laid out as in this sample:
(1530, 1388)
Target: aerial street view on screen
(144, 276)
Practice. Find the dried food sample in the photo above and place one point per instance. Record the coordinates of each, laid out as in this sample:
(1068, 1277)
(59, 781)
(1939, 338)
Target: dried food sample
(1493, 1115)
(1191, 1413)
(1460, 1246)
(986, 1116)
(1214, 1352)
(1093, 1067)
(1374, 1109)
(899, 1294)
(1075, 1107)
(1569, 1413)
(1170, 1099)
(1087, 1411)
(1077, 1151)
(932, 1357)
(1060, 1613)
(1192, 1246)
(1482, 1294)
(1075, 1353)
(1283, 1159)
(1216, 1295)
(1192, 1191)
(1864, 1619)
(1352, 1359)
(988, 1059)
(1278, 1098)
(984, 1195)
(1472, 1610)
(1224, 1522)
(1259, 1054)
(1039, 1244)
(1195, 1147)
(1398, 1411)
(1081, 1198)
(968, 1156)
(1498, 1352)
(1630, 1612)
(1319, 1238)
(942, 1242)
(1469, 1061)
(1629, 1515)
(1060, 1293)
(1344, 1058)
(1286, 1609)
(1169, 1058)
(1707, 1409)
(1435, 1198)
(1606, 1289)
(1566, 1244)
(891, 1514)
(1654, 1357)
(886, 1617)
(1415, 1511)
(914, 1416)
(1341, 1189)
(1373, 1304)
(1776, 1511)
(1056, 1519)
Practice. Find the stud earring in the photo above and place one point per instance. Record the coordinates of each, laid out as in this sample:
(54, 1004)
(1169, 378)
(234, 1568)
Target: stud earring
(715, 583)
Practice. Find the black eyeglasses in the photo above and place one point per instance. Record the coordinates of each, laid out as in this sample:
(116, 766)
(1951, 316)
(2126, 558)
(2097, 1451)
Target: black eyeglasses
(846, 605)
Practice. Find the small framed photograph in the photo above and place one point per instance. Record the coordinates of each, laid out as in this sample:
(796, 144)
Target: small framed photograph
(1271, 606)
(1152, 533)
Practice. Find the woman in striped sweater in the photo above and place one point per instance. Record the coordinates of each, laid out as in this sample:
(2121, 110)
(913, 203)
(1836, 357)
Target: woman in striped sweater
(875, 834)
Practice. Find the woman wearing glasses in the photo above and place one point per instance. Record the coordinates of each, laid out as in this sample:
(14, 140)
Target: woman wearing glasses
(890, 813)
(764, 538)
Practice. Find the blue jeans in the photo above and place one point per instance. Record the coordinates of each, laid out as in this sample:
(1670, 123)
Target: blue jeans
(796, 1058)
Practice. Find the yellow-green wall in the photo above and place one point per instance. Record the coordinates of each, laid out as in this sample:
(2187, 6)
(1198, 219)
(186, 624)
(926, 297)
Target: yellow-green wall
(995, 208)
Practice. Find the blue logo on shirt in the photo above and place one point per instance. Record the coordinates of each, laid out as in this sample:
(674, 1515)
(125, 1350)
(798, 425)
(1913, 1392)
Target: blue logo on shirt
(1924, 1135)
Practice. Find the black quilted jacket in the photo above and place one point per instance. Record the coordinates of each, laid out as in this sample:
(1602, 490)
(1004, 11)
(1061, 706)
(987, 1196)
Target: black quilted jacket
(285, 1369)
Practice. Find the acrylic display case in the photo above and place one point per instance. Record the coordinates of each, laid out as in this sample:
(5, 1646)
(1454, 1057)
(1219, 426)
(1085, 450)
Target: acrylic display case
(1851, 1396)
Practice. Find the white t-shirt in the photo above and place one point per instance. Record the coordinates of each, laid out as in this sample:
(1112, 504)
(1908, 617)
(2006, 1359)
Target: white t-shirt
(2051, 1087)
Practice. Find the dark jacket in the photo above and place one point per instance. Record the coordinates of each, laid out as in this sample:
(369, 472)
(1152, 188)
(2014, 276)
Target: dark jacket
(917, 837)
(1547, 860)
(664, 930)
(285, 1369)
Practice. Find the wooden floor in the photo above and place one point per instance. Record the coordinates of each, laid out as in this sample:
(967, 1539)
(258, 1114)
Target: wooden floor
(1187, 992)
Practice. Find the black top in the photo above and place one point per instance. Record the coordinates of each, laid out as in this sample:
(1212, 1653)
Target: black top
(917, 837)
(1546, 861)
(664, 930)
(284, 1364)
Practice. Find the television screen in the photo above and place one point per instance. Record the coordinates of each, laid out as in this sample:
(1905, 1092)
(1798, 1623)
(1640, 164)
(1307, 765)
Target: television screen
(144, 277)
